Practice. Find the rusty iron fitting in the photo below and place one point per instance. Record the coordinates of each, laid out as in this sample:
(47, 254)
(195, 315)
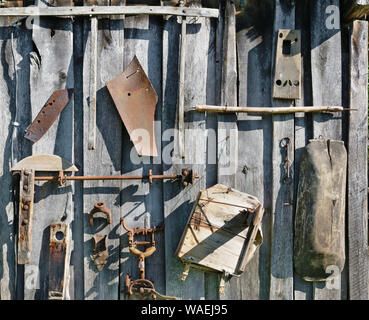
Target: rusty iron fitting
(100, 207)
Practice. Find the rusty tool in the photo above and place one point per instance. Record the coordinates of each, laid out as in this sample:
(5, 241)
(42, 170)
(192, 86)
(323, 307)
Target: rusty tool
(48, 114)
(136, 100)
(59, 257)
(187, 177)
(100, 254)
(142, 287)
(287, 180)
(100, 207)
(27, 169)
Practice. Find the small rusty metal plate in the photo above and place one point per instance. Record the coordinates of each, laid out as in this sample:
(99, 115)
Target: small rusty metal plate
(287, 76)
(48, 114)
(136, 100)
(58, 260)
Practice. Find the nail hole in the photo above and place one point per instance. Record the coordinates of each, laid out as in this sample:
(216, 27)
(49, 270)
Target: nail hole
(38, 121)
(286, 49)
(129, 94)
(281, 35)
(59, 236)
(279, 82)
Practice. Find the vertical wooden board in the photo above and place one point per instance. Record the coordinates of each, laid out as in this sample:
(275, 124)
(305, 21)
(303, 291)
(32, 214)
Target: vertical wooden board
(326, 71)
(51, 69)
(105, 160)
(227, 143)
(281, 286)
(302, 289)
(211, 279)
(357, 198)
(77, 259)
(178, 202)
(140, 201)
(254, 171)
(8, 142)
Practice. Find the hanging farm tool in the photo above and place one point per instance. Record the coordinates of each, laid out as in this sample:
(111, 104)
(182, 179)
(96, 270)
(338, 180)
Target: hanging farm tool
(142, 288)
(136, 100)
(222, 234)
(48, 114)
(27, 169)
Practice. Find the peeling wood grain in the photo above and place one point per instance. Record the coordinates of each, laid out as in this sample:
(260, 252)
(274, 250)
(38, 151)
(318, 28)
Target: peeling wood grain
(281, 287)
(357, 200)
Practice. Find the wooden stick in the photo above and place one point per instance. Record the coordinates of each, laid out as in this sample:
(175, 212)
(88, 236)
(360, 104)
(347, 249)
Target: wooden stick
(268, 110)
(93, 85)
(181, 71)
(108, 10)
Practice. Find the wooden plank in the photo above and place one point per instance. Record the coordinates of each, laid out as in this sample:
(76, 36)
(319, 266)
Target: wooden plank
(357, 199)
(302, 289)
(254, 171)
(14, 50)
(51, 69)
(105, 160)
(281, 286)
(178, 202)
(108, 11)
(326, 71)
(227, 124)
(142, 204)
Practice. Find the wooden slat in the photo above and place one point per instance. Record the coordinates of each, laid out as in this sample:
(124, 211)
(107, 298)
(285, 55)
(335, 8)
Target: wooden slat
(10, 84)
(108, 11)
(178, 202)
(51, 69)
(141, 203)
(326, 70)
(105, 160)
(302, 289)
(281, 286)
(357, 199)
(227, 124)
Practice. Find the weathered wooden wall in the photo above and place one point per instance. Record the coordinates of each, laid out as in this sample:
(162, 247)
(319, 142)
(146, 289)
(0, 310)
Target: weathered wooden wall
(228, 62)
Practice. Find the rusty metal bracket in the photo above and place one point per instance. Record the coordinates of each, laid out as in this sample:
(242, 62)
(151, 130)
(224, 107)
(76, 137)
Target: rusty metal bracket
(27, 169)
(142, 288)
(48, 114)
(100, 251)
(100, 207)
(26, 198)
(136, 100)
(59, 261)
(287, 73)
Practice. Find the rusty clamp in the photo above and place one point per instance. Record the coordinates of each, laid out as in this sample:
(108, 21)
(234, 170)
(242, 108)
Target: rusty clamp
(100, 207)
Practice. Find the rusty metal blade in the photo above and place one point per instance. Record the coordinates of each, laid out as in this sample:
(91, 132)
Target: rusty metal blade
(48, 114)
(136, 100)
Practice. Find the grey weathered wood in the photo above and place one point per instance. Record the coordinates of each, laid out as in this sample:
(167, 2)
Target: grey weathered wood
(357, 199)
(302, 289)
(281, 286)
(108, 11)
(227, 125)
(177, 201)
(142, 204)
(105, 160)
(326, 71)
(354, 9)
(254, 175)
(51, 69)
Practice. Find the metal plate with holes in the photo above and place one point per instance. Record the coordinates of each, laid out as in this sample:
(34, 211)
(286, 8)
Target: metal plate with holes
(136, 100)
(48, 114)
(26, 198)
(287, 76)
(58, 260)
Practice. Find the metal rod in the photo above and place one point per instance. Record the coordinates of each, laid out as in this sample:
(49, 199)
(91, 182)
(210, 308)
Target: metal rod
(107, 11)
(268, 110)
(81, 178)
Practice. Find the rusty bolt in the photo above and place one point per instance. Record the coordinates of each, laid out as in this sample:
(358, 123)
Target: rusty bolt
(25, 221)
(25, 207)
(25, 187)
(26, 172)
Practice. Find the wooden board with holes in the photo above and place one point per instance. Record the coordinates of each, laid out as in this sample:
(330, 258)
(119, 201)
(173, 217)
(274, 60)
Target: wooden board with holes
(219, 230)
